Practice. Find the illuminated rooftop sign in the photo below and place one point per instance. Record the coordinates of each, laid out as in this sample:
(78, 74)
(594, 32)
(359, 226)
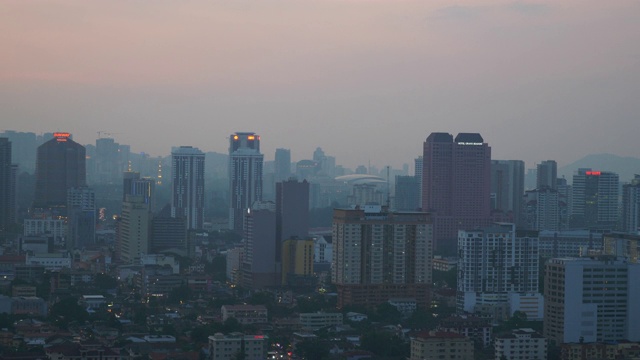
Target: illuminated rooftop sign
(61, 136)
(594, 173)
(469, 143)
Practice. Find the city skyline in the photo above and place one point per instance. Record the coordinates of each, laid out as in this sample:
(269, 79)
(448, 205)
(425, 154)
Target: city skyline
(540, 80)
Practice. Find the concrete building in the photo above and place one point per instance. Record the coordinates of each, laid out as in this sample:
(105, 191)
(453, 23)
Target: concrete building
(595, 200)
(245, 314)
(622, 245)
(507, 188)
(456, 185)
(50, 262)
(297, 262)
(323, 250)
(542, 210)
(8, 173)
(407, 193)
(631, 206)
(591, 300)
(494, 262)
(133, 185)
(168, 232)
(441, 345)
(568, 243)
(520, 344)
(133, 231)
(245, 176)
(81, 218)
(54, 227)
(292, 212)
(547, 174)
(235, 258)
(187, 186)
(60, 165)
(477, 329)
(259, 268)
(282, 164)
(229, 347)
(319, 320)
(378, 253)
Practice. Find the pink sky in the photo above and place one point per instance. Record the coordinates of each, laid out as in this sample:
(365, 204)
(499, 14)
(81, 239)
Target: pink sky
(365, 80)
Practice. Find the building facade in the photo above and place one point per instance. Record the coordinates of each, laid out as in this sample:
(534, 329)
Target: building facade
(245, 176)
(507, 187)
(7, 186)
(187, 195)
(595, 199)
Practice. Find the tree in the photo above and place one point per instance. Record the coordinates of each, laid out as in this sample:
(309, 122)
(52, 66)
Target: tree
(385, 344)
(66, 311)
(312, 350)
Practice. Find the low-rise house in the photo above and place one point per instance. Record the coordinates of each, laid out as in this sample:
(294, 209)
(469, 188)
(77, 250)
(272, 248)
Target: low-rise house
(520, 344)
(441, 345)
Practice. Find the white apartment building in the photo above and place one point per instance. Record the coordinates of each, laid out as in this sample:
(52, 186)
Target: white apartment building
(493, 263)
(520, 344)
(229, 347)
(318, 320)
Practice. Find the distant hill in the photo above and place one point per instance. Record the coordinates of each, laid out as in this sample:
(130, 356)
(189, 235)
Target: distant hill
(626, 167)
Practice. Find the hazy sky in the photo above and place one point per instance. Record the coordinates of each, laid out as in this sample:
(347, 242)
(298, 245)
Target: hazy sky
(365, 80)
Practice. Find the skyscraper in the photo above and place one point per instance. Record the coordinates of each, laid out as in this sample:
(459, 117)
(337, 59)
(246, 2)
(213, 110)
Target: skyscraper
(259, 267)
(81, 218)
(379, 254)
(7, 186)
(546, 175)
(631, 206)
(507, 187)
(456, 184)
(595, 199)
(245, 176)
(134, 229)
(132, 184)
(292, 211)
(60, 165)
(407, 193)
(282, 164)
(187, 195)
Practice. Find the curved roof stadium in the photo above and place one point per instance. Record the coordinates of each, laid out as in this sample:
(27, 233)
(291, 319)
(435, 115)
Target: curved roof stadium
(361, 179)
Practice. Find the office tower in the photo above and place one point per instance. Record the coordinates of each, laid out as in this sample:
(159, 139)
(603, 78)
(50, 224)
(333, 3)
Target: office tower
(81, 218)
(379, 255)
(546, 174)
(631, 206)
(595, 199)
(23, 145)
(407, 193)
(507, 187)
(7, 187)
(495, 265)
(362, 194)
(132, 184)
(187, 195)
(245, 176)
(565, 198)
(283, 164)
(569, 243)
(292, 211)
(259, 262)
(542, 210)
(168, 232)
(418, 163)
(108, 165)
(456, 184)
(591, 300)
(297, 262)
(60, 165)
(622, 245)
(133, 229)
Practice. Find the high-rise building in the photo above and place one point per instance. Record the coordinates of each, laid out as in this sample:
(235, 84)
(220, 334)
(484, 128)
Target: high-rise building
(495, 263)
(507, 187)
(546, 174)
(133, 229)
(297, 262)
(631, 206)
(7, 186)
(379, 255)
(60, 165)
(282, 164)
(81, 218)
(133, 185)
(187, 195)
(542, 210)
(259, 266)
(419, 163)
(407, 193)
(292, 212)
(108, 164)
(456, 184)
(168, 232)
(245, 176)
(595, 199)
(23, 145)
(591, 300)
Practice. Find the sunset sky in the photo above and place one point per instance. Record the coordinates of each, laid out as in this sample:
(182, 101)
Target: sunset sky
(367, 80)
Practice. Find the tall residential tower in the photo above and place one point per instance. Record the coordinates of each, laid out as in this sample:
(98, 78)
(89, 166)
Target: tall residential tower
(245, 176)
(187, 196)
